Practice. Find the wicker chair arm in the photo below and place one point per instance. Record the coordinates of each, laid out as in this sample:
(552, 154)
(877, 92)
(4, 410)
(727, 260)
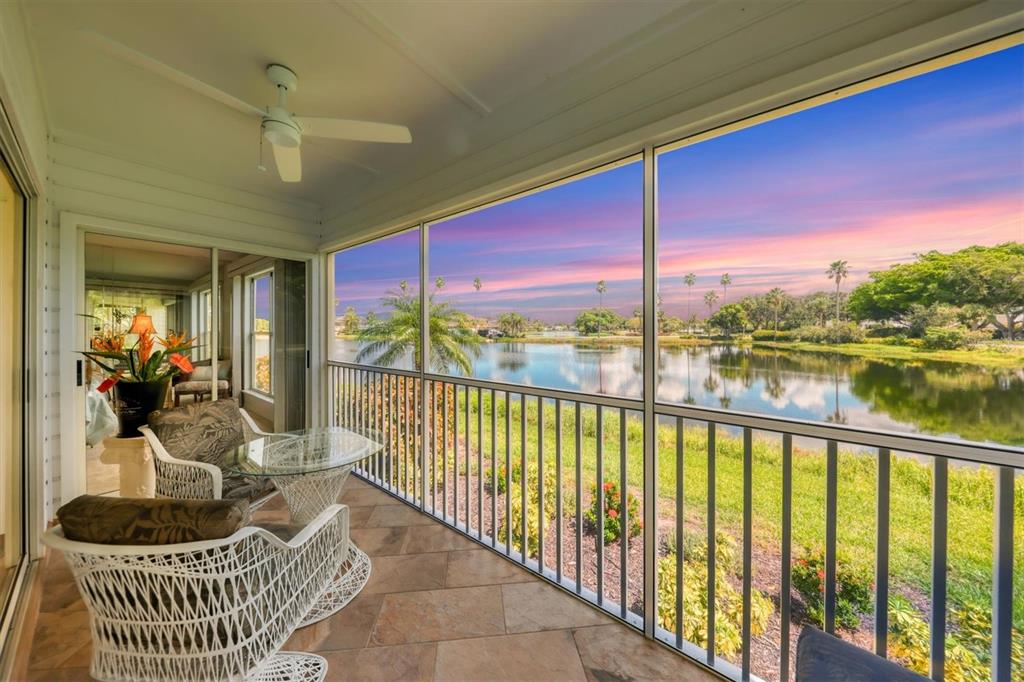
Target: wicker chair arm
(182, 478)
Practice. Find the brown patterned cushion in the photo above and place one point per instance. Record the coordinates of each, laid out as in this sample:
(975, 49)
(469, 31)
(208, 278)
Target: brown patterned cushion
(200, 432)
(245, 487)
(160, 521)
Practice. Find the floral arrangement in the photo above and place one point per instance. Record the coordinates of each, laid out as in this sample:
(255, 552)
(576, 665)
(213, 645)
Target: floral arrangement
(140, 362)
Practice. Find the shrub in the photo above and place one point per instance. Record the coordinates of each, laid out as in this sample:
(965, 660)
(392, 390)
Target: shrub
(532, 504)
(944, 338)
(853, 588)
(845, 332)
(613, 512)
(910, 642)
(728, 601)
(896, 340)
(772, 335)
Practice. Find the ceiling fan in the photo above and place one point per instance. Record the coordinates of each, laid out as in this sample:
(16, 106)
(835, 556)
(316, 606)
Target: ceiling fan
(283, 130)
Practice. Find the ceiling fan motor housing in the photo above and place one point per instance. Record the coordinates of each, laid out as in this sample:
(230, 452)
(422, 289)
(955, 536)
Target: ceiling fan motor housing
(280, 129)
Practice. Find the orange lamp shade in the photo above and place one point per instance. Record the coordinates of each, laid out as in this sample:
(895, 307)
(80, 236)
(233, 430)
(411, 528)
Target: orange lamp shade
(142, 324)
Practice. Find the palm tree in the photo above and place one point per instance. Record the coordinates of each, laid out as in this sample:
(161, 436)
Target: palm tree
(689, 280)
(477, 284)
(775, 297)
(838, 271)
(387, 340)
(725, 282)
(709, 300)
(404, 285)
(439, 283)
(601, 288)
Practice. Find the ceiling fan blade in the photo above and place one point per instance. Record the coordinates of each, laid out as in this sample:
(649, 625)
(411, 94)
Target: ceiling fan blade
(347, 129)
(289, 163)
(144, 61)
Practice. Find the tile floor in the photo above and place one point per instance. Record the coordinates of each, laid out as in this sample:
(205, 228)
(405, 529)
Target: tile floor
(437, 607)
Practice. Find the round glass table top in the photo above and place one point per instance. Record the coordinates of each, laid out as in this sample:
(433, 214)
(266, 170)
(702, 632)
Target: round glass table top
(302, 452)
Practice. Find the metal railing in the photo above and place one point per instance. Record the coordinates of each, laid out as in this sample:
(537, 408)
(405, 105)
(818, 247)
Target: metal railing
(524, 470)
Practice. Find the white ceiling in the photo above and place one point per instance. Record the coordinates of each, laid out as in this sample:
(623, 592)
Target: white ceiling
(111, 257)
(466, 77)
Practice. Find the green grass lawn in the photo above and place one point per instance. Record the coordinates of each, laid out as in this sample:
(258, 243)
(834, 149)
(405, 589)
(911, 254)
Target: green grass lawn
(970, 492)
(994, 355)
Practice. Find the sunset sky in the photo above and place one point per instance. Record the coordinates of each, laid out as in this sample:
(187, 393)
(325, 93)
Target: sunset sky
(934, 162)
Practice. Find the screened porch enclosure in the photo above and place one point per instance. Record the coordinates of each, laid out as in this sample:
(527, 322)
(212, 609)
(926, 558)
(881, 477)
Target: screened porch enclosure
(681, 390)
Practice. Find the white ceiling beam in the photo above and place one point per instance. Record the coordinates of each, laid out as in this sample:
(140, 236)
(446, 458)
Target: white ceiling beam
(362, 13)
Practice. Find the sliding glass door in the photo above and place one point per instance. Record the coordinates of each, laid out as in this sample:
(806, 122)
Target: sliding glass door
(12, 489)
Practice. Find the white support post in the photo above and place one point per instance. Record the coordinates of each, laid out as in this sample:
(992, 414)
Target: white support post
(650, 418)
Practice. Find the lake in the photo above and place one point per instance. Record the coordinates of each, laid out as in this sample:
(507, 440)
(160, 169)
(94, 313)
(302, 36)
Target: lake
(938, 398)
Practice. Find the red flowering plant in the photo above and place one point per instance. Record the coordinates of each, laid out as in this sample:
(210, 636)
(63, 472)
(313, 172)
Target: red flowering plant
(853, 588)
(613, 512)
(140, 362)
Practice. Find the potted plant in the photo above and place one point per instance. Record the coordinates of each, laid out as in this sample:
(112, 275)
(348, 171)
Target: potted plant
(139, 375)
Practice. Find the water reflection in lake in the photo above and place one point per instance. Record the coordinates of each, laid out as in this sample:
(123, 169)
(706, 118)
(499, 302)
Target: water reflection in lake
(922, 396)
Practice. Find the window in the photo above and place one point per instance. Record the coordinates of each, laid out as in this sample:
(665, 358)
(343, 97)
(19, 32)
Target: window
(546, 288)
(203, 325)
(852, 263)
(261, 332)
(377, 302)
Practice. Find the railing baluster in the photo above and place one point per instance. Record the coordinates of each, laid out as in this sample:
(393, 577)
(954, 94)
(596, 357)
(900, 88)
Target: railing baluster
(508, 473)
(432, 387)
(479, 463)
(540, 484)
(623, 516)
(469, 462)
(940, 518)
(418, 470)
(558, 493)
(787, 552)
(455, 455)
(1002, 575)
(680, 426)
(578, 409)
(882, 554)
(494, 471)
(444, 450)
(748, 527)
(600, 505)
(711, 544)
(522, 475)
(831, 490)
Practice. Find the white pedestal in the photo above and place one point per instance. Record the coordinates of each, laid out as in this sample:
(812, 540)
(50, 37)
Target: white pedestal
(135, 459)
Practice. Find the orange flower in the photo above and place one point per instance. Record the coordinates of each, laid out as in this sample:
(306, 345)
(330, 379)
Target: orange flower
(108, 383)
(108, 342)
(177, 340)
(145, 347)
(181, 362)
(612, 514)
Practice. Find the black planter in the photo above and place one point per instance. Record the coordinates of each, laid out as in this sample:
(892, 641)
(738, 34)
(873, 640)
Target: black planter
(134, 400)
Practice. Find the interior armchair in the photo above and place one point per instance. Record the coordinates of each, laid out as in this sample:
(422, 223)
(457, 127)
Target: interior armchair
(198, 382)
(190, 445)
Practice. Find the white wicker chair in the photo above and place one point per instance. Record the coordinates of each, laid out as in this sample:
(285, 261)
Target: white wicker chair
(189, 480)
(209, 610)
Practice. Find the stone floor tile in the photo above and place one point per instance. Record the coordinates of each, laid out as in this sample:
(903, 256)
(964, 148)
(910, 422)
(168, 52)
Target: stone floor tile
(358, 516)
(348, 629)
(406, 573)
(435, 538)
(366, 497)
(533, 657)
(614, 652)
(407, 662)
(58, 637)
(539, 606)
(439, 614)
(380, 541)
(482, 567)
(397, 515)
(59, 675)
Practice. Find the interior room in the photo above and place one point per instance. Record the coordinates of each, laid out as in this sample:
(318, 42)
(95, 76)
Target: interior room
(541, 340)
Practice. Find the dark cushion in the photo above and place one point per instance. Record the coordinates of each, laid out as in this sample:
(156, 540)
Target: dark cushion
(820, 657)
(200, 432)
(160, 521)
(249, 488)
